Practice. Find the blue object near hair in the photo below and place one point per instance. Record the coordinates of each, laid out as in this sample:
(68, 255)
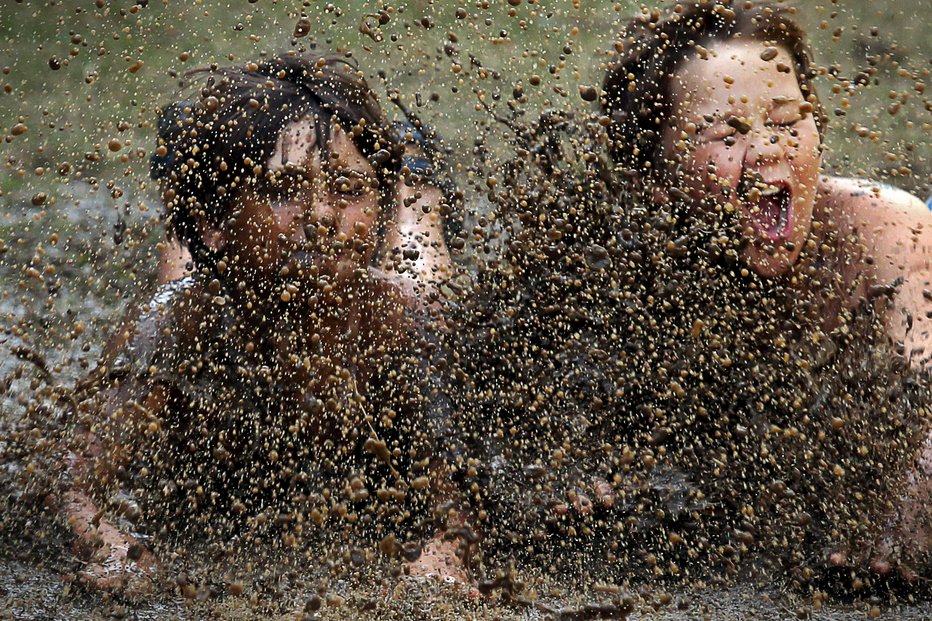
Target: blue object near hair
(929, 202)
(418, 165)
(430, 167)
(421, 164)
(172, 119)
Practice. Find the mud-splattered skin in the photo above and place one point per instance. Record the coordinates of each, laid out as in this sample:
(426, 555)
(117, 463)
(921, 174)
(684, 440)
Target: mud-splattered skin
(292, 379)
(739, 134)
(208, 413)
(195, 366)
(309, 218)
(632, 353)
(742, 136)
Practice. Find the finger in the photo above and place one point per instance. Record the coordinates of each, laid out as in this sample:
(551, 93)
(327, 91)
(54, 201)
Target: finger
(604, 493)
(98, 577)
(838, 559)
(582, 504)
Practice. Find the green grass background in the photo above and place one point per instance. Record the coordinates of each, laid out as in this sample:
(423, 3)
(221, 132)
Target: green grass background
(118, 61)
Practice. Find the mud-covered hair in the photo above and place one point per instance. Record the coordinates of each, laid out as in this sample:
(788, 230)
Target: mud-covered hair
(210, 147)
(636, 88)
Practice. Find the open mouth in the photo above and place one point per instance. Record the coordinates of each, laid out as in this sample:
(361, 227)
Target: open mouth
(769, 207)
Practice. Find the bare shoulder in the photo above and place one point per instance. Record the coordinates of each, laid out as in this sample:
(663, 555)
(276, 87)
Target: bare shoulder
(891, 222)
(869, 203)
(160, 323)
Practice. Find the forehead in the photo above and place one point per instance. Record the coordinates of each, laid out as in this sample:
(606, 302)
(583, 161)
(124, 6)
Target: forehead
(297, 146)
(734, 70)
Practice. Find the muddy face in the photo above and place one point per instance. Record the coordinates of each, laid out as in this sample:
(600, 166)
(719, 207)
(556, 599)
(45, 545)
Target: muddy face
(306, 218)
(742, 134)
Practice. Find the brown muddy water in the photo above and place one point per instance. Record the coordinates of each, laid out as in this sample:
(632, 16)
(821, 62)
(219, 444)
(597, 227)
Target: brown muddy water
(34, 591)
(80, 225)
(37, 566)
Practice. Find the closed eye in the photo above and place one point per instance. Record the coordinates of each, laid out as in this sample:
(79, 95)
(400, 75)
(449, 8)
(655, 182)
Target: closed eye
(717, 133)
(785, 123)
(275, 193)
(350, 183)
(283, 187)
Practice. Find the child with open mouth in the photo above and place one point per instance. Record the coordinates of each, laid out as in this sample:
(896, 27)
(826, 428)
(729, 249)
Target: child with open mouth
(712, 105)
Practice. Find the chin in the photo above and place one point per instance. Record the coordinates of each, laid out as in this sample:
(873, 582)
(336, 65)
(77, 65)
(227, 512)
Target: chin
(770, 266)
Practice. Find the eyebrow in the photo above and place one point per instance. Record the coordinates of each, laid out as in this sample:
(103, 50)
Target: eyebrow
(290, 176)
(712, 119)
(708, 121)
(353, 172)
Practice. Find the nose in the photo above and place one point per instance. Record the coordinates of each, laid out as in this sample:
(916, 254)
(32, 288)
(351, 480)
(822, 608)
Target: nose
(319, 224)
(765, 146)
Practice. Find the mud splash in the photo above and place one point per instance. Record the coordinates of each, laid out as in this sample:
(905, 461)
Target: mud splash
(595, 453)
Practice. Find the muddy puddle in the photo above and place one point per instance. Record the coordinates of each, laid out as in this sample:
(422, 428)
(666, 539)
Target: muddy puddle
(595, 310)
(29, 592)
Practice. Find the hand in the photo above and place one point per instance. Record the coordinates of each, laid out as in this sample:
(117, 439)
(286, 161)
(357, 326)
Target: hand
(392, 286)
(909, 537)
(116, 561)
(581, 500)
(439, 559)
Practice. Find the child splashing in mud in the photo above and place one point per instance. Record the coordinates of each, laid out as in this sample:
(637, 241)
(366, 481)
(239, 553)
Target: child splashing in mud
(713, 104)
(284, 385)
(415, 243)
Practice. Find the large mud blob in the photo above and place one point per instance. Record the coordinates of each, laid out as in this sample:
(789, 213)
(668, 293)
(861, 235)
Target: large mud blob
(564, 379)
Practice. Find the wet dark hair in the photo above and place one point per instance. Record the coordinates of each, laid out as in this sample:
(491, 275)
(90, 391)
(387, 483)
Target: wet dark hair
(636, 90)
(211, 147)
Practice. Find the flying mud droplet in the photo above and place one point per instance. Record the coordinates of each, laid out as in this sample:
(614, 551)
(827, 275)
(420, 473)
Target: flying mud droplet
(368, 26)
(740, 125)
(768, 54)
(302, 28)
(588, 93)
(597, 257)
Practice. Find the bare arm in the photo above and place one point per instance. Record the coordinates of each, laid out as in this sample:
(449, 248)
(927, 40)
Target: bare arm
(896, 230)
(173, 261)
(121, 407)
(116, 560)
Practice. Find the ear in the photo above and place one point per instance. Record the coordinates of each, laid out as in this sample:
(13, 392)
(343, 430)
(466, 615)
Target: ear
(211, 236)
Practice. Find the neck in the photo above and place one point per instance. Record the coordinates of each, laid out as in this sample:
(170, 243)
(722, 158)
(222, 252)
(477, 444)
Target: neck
(345, 324)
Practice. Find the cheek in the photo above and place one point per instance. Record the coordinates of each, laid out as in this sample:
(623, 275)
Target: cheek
(283, 219)
(805, 149)
(359, 220)
(711, 163)
(255, 229)
(809, 156)
(806, 164)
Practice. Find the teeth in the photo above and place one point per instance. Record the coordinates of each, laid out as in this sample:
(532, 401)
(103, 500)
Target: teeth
(771, 191)
(785, 212)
